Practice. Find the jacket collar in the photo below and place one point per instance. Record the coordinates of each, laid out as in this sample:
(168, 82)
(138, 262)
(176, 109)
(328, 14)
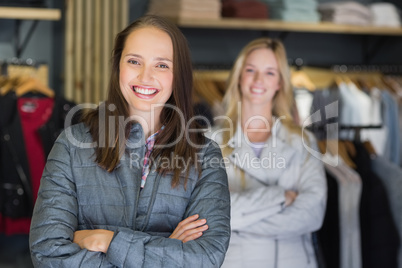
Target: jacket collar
(136, 137)
(279, 133)
(275, 156)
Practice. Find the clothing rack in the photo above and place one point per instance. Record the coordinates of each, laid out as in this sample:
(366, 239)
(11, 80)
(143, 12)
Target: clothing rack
(18, 62)
(357, 130)
(385, 69)
(25, 67)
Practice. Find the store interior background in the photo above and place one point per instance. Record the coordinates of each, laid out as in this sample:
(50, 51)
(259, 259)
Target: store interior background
(215, 48)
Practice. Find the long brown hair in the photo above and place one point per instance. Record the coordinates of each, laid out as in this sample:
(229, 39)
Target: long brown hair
(115, 133)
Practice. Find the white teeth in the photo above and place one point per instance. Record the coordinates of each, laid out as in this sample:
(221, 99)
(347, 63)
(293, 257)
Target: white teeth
(144, 91)
(257, 90)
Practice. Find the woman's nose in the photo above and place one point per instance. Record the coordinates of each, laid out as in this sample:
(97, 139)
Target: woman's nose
(257, 76)
(145, 74)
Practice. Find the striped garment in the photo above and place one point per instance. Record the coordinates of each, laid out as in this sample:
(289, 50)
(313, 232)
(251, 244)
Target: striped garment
(149, 146)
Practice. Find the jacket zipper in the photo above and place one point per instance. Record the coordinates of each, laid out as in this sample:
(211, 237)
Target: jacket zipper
(276, 254)
(304, 242)
(153, 197)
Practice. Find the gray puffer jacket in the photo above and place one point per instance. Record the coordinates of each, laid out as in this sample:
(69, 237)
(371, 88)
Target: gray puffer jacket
(265, 234)
(77, 194)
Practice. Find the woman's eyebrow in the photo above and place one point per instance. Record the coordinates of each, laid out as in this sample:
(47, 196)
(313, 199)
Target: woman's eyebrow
(267, 68)
(163, 59)
(133, 55)
(139, 56)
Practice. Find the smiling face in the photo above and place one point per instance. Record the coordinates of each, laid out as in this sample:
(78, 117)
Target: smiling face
(260, 77)
(146, 70)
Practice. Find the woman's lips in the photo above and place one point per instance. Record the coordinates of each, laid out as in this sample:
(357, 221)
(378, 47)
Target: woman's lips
(144, 92)
(257, 90)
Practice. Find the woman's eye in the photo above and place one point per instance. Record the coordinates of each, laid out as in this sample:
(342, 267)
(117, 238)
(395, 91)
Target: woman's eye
(249, 70)
(271, 73)
(163, 66)
(133, 62)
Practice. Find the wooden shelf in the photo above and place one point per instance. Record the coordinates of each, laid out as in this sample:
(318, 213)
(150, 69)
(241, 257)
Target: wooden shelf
(29, 13)
(258, 24)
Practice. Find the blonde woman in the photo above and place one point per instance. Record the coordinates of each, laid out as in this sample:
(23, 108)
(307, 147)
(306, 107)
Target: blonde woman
(277, 188)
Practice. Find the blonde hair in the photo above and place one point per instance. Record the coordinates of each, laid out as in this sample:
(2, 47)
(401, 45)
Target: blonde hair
(283, 102)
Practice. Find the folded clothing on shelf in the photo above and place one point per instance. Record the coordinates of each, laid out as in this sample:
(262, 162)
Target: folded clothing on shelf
(290, 10)
(207, 9)
(385, 14)
(252, 9)
(349, 12)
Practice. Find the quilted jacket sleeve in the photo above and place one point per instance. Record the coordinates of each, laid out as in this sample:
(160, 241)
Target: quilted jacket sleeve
(55, 220)
(211, 200)
(249, 207)
(306, 213)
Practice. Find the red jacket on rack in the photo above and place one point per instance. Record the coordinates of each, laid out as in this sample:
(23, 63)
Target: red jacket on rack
(23, 155)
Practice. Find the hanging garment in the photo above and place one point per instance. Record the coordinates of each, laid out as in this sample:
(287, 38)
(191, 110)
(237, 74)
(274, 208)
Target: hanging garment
(18, 189)
(391, 175)
(353, 256)
(327, 102)
(377, 136)
(380, 238)
(303, 99)
(33, 113)
(391, 123)
(349, 186)
(328, 235)
(356, 106)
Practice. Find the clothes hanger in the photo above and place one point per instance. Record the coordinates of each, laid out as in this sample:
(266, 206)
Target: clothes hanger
(389, 85)
(329, 146)
(35, 86)
(347, 78)
(378, 82)
(369, 148)
(10, 84)
(3, 84)
(363, 84)
(301, 80)
(343, 150)
(338, 80)
(336, 148)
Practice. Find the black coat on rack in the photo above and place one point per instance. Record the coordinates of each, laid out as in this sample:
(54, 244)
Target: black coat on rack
(16, 196)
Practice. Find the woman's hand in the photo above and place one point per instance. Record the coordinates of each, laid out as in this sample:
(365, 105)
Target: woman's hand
(290, 196)
(93, 240)
(189, 229)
